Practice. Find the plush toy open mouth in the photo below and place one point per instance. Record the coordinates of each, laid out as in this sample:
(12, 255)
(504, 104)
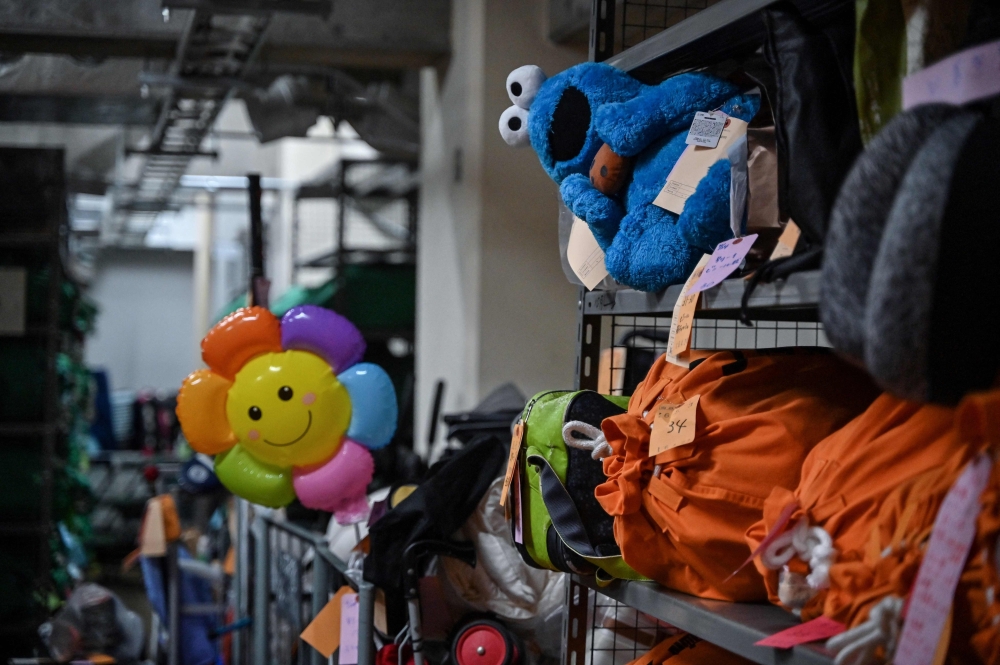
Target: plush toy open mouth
(570, 125)
(282, 445)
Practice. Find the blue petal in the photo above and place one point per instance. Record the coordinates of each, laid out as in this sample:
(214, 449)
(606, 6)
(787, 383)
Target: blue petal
(373, 405)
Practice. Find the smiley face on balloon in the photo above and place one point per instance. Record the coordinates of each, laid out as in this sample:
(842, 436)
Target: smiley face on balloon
(288, 409)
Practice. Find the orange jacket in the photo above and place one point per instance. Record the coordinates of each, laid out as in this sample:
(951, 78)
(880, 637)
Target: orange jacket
(759, 414)
(847, 478)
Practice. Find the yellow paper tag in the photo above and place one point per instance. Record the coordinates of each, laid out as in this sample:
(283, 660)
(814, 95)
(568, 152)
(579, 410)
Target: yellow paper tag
(673, 426)
(584, 255)
(693, 165)
(323, 634)
(787, 241)
(682, 319)
(515, 449)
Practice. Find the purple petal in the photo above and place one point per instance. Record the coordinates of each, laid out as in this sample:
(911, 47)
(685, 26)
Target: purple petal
(325, 333)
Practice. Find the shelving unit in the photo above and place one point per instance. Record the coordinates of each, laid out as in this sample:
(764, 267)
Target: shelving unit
(724, 30)
(34, 211)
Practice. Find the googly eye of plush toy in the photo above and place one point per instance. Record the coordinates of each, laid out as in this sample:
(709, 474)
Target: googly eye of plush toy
(523, 84)
(514, 126)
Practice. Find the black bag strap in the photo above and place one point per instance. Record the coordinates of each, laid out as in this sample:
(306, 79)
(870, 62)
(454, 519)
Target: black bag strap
(562, 511)
(778, 269)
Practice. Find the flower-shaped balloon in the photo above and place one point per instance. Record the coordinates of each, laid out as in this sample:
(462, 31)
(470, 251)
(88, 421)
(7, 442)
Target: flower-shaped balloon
(288, 410)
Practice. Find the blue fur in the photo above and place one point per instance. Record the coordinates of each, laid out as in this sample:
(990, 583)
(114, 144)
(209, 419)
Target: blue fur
(646, 247)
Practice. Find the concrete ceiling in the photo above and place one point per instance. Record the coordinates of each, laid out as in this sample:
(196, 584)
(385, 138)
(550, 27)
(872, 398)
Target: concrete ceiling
(388, 34)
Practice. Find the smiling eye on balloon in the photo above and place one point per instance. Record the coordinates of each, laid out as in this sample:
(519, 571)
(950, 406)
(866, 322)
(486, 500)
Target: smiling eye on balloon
(254, 413)
(284, 393)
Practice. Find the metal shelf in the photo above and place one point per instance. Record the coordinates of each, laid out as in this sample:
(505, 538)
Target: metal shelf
(732, 626)
(724, 30)
(797, 295)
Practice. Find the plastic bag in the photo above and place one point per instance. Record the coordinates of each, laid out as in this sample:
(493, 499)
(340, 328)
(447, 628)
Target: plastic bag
(94, 620)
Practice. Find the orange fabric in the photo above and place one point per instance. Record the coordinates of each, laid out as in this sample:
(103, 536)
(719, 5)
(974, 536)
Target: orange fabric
(887, 558)
(847, 476)
(686, 649)
(759, 414)
(247, 332)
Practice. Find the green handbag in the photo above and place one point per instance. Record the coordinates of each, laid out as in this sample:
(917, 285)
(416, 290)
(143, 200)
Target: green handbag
(563, 527)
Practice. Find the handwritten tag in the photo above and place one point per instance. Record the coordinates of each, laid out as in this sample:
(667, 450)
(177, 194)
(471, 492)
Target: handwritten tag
(724, 261)
(323, 633)
(516, 510)
(820, 628)
(682, 318)
(706, 129)
(786, 241)
(584, 255)
(693, 165)
(962, 78)
(515, 449)
(931, 598)
(673, 426)
(348, 654)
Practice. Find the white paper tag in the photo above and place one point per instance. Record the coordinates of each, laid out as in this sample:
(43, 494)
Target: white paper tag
(706, 130)
(584, 255)
(693, 165)
(948, 548)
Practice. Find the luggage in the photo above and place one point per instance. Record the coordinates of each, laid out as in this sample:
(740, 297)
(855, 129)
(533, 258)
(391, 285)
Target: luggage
(557, 523)
(845, 480)
(681, 516)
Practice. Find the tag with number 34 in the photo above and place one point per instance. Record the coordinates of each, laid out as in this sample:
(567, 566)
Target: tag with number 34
(673, 426)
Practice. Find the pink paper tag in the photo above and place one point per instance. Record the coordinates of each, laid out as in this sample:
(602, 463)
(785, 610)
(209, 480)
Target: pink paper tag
(934, 590)
(821, 628)
(518, 520)
(724, 261)
(966, 76)
(777, 529)
(348, 654)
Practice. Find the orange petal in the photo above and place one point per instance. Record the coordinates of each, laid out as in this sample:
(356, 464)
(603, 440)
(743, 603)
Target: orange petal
(247, 332)
(201, 410)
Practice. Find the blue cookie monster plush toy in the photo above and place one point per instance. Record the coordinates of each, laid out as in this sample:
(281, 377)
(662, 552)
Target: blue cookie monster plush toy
(567, 119)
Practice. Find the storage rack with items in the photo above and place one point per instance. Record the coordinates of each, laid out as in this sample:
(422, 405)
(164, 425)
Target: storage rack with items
(615, 324)
(44, 391)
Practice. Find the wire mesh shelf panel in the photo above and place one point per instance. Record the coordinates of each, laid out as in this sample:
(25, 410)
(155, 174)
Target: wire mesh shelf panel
(616, 634)
(633, 342)
(641, 19)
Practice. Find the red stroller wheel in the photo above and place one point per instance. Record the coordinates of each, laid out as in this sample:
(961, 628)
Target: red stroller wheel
(484, 642)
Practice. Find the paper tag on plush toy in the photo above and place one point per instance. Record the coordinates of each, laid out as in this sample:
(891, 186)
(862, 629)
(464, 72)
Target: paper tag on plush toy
(693, 165)
(673, 426)
(706, 130)
(584, 255)
(682, 318)
(726, 258)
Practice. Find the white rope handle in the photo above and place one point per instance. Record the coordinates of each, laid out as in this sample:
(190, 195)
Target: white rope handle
(858, 645)
(591, 439)
(811, 544)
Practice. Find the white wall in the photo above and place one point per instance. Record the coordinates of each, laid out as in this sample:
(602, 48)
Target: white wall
(143, 335)
(492, 302)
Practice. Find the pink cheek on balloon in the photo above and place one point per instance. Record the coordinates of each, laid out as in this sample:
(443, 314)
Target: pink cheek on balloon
(308, 398)
(253, 435)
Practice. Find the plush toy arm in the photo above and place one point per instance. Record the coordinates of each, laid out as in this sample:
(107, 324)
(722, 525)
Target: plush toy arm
(704, 222)
(628, 127)
(602, 213)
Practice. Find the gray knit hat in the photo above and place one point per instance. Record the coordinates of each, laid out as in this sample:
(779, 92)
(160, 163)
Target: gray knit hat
(931, 321)
(859, 218)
